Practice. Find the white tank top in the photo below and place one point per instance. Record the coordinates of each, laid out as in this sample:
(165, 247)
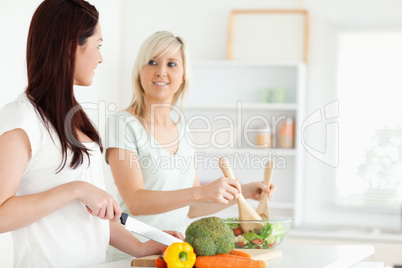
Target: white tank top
(69, 237)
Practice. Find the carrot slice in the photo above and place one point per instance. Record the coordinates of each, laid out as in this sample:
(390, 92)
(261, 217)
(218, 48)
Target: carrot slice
(240, 253)
(227, 261)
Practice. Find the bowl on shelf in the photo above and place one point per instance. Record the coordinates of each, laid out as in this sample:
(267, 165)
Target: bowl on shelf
(270, 236)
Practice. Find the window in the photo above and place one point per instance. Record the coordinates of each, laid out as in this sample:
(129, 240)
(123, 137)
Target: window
(370, 122)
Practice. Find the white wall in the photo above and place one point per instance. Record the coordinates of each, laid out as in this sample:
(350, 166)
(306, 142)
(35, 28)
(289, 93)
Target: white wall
(14, 23)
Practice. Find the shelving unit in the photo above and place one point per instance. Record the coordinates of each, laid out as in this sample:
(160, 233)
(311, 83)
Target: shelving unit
(244, 106)
(225, 107)
(256, 152)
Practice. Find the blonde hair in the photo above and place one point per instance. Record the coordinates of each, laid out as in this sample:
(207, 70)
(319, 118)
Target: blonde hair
(159, 44)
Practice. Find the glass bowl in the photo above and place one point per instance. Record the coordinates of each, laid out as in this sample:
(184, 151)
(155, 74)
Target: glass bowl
(270, 236)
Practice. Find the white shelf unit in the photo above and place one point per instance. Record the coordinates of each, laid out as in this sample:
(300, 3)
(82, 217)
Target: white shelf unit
(224, 98)
(245, 106)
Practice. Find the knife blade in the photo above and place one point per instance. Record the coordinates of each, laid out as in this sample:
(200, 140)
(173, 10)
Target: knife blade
(146, 230)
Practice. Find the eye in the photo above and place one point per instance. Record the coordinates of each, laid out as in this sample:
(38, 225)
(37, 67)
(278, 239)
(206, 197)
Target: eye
(172, 64)
(99, 47)
(152, 62)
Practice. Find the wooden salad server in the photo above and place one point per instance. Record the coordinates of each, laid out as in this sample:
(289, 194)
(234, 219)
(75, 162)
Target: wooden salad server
(262, 208)
(246, 212)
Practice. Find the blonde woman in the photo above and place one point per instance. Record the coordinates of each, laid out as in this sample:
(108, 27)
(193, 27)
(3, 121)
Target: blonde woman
(146, 148)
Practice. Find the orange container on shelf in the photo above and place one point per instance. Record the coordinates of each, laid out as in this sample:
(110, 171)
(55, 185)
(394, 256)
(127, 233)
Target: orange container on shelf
(264, 138)
(286, 134)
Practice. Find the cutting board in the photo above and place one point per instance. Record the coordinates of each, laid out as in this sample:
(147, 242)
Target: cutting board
(258, 254)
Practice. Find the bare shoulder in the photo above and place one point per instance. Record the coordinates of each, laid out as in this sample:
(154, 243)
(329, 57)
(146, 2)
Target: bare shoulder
(14, 156)
(15, 140)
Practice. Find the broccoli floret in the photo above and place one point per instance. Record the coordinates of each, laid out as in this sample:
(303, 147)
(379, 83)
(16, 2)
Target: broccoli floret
(210, 236)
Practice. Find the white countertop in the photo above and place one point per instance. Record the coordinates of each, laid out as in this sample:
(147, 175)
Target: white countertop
(347, 235)
(322, 256)
(304, 257)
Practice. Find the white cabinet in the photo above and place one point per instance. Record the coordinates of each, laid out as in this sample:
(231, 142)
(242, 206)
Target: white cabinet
(226, 108)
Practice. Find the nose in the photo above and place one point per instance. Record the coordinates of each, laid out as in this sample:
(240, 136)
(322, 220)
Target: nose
(100, 58)
(161, 71)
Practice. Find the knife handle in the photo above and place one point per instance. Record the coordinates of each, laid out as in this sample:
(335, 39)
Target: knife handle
(123, 218)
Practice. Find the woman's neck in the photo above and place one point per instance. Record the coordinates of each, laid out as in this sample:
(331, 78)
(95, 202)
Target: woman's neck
(158, 114)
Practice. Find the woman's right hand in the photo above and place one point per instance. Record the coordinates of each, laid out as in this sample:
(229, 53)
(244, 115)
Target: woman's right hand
(99, 203)
(222, 190)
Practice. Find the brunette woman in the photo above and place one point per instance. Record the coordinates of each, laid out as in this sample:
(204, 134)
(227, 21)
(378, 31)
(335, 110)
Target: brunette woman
(52, 195)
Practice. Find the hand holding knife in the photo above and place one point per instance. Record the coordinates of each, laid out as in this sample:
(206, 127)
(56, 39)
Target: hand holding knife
(146, 230)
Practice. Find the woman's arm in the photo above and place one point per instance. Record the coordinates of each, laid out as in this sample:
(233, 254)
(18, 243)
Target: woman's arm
(129, 181)
(123, 240)
(204, 209)
(20, 211)
(251, 190)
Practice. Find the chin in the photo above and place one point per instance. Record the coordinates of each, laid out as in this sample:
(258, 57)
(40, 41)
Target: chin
(83, 84)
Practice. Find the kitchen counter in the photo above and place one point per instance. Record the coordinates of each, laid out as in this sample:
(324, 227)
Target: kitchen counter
(304, 257)
(364, 236)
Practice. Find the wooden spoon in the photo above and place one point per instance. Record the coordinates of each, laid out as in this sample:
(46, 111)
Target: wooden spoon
(246, 212)
(262, 208)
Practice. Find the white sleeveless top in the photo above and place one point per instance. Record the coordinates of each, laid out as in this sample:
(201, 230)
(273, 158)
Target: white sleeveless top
(161, 170)
(69, 237)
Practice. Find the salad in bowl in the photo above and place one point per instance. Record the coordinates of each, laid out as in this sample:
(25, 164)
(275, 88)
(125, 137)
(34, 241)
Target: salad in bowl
(272, 234)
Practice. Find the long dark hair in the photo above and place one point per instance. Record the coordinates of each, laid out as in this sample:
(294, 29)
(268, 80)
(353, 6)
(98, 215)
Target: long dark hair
(57, 28)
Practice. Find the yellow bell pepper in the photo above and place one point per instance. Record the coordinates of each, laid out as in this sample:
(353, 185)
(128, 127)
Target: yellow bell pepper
(179, 255)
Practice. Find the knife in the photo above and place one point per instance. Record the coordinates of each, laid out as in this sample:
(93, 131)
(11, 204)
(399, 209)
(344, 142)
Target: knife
(146, 230)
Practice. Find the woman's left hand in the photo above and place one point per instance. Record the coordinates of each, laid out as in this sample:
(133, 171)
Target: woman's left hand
(158, 247)
(176, 234)
(253, 190)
